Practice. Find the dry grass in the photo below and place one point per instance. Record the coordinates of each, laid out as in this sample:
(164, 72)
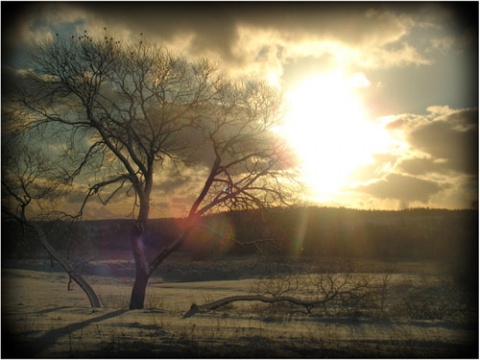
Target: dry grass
(41, 319)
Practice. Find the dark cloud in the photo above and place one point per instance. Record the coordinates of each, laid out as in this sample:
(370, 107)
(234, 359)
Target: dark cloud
(442, 145)
(466, 119)
(401, 187)
(453, 138)
(214, 25)
(421, 166)
(173, 181)
(447, 138)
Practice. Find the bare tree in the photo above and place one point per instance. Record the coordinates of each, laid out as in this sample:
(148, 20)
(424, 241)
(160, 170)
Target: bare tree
(27, 179)
(133, 110)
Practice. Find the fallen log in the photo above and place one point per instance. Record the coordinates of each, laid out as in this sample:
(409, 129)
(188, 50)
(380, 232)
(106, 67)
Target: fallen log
(194, 309)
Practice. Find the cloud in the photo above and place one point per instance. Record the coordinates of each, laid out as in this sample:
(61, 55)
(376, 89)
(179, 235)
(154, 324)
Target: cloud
(257, 39)
(262, 34)
(29, 22)
(438, 163)
(448, 137)
(401, 187)
(421, 166)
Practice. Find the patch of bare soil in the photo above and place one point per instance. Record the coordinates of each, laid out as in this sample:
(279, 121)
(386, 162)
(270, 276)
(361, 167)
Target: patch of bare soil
(41, 319)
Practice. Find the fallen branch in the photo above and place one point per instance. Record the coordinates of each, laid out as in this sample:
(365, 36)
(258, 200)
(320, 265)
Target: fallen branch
(194, 309)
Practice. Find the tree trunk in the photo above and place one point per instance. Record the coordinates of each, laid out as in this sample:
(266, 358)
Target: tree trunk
(137, 299)
(142, 271)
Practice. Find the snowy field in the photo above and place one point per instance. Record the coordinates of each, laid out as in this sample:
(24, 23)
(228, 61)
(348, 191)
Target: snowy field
(418, 315)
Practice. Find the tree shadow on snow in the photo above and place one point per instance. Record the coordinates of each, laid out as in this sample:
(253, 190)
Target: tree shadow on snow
(15, 347)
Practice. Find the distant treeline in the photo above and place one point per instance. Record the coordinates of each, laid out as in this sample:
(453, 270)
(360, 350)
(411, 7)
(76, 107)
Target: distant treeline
(414, 234)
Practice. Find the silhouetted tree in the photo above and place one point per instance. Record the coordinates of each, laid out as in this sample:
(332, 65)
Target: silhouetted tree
(28, 178)
(135, 109)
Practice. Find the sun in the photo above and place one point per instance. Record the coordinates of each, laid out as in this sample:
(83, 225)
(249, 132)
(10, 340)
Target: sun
(328, 126)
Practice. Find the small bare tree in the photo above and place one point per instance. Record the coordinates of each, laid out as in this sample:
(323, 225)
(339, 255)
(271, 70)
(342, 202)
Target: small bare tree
(28, 178)
(133, 110)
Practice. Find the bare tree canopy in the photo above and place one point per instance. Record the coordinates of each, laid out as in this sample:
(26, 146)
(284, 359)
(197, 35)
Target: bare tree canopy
(134, 111)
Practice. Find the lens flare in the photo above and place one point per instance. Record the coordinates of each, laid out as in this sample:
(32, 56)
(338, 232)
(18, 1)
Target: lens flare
(299, 237)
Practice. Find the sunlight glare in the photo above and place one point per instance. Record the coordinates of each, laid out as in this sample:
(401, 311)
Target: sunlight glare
(331, 131)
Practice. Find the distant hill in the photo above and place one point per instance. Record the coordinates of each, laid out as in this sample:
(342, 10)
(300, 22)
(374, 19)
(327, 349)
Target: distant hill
(421, 234)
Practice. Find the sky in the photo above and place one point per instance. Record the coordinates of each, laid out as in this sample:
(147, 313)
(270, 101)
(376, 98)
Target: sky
(381, 98)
